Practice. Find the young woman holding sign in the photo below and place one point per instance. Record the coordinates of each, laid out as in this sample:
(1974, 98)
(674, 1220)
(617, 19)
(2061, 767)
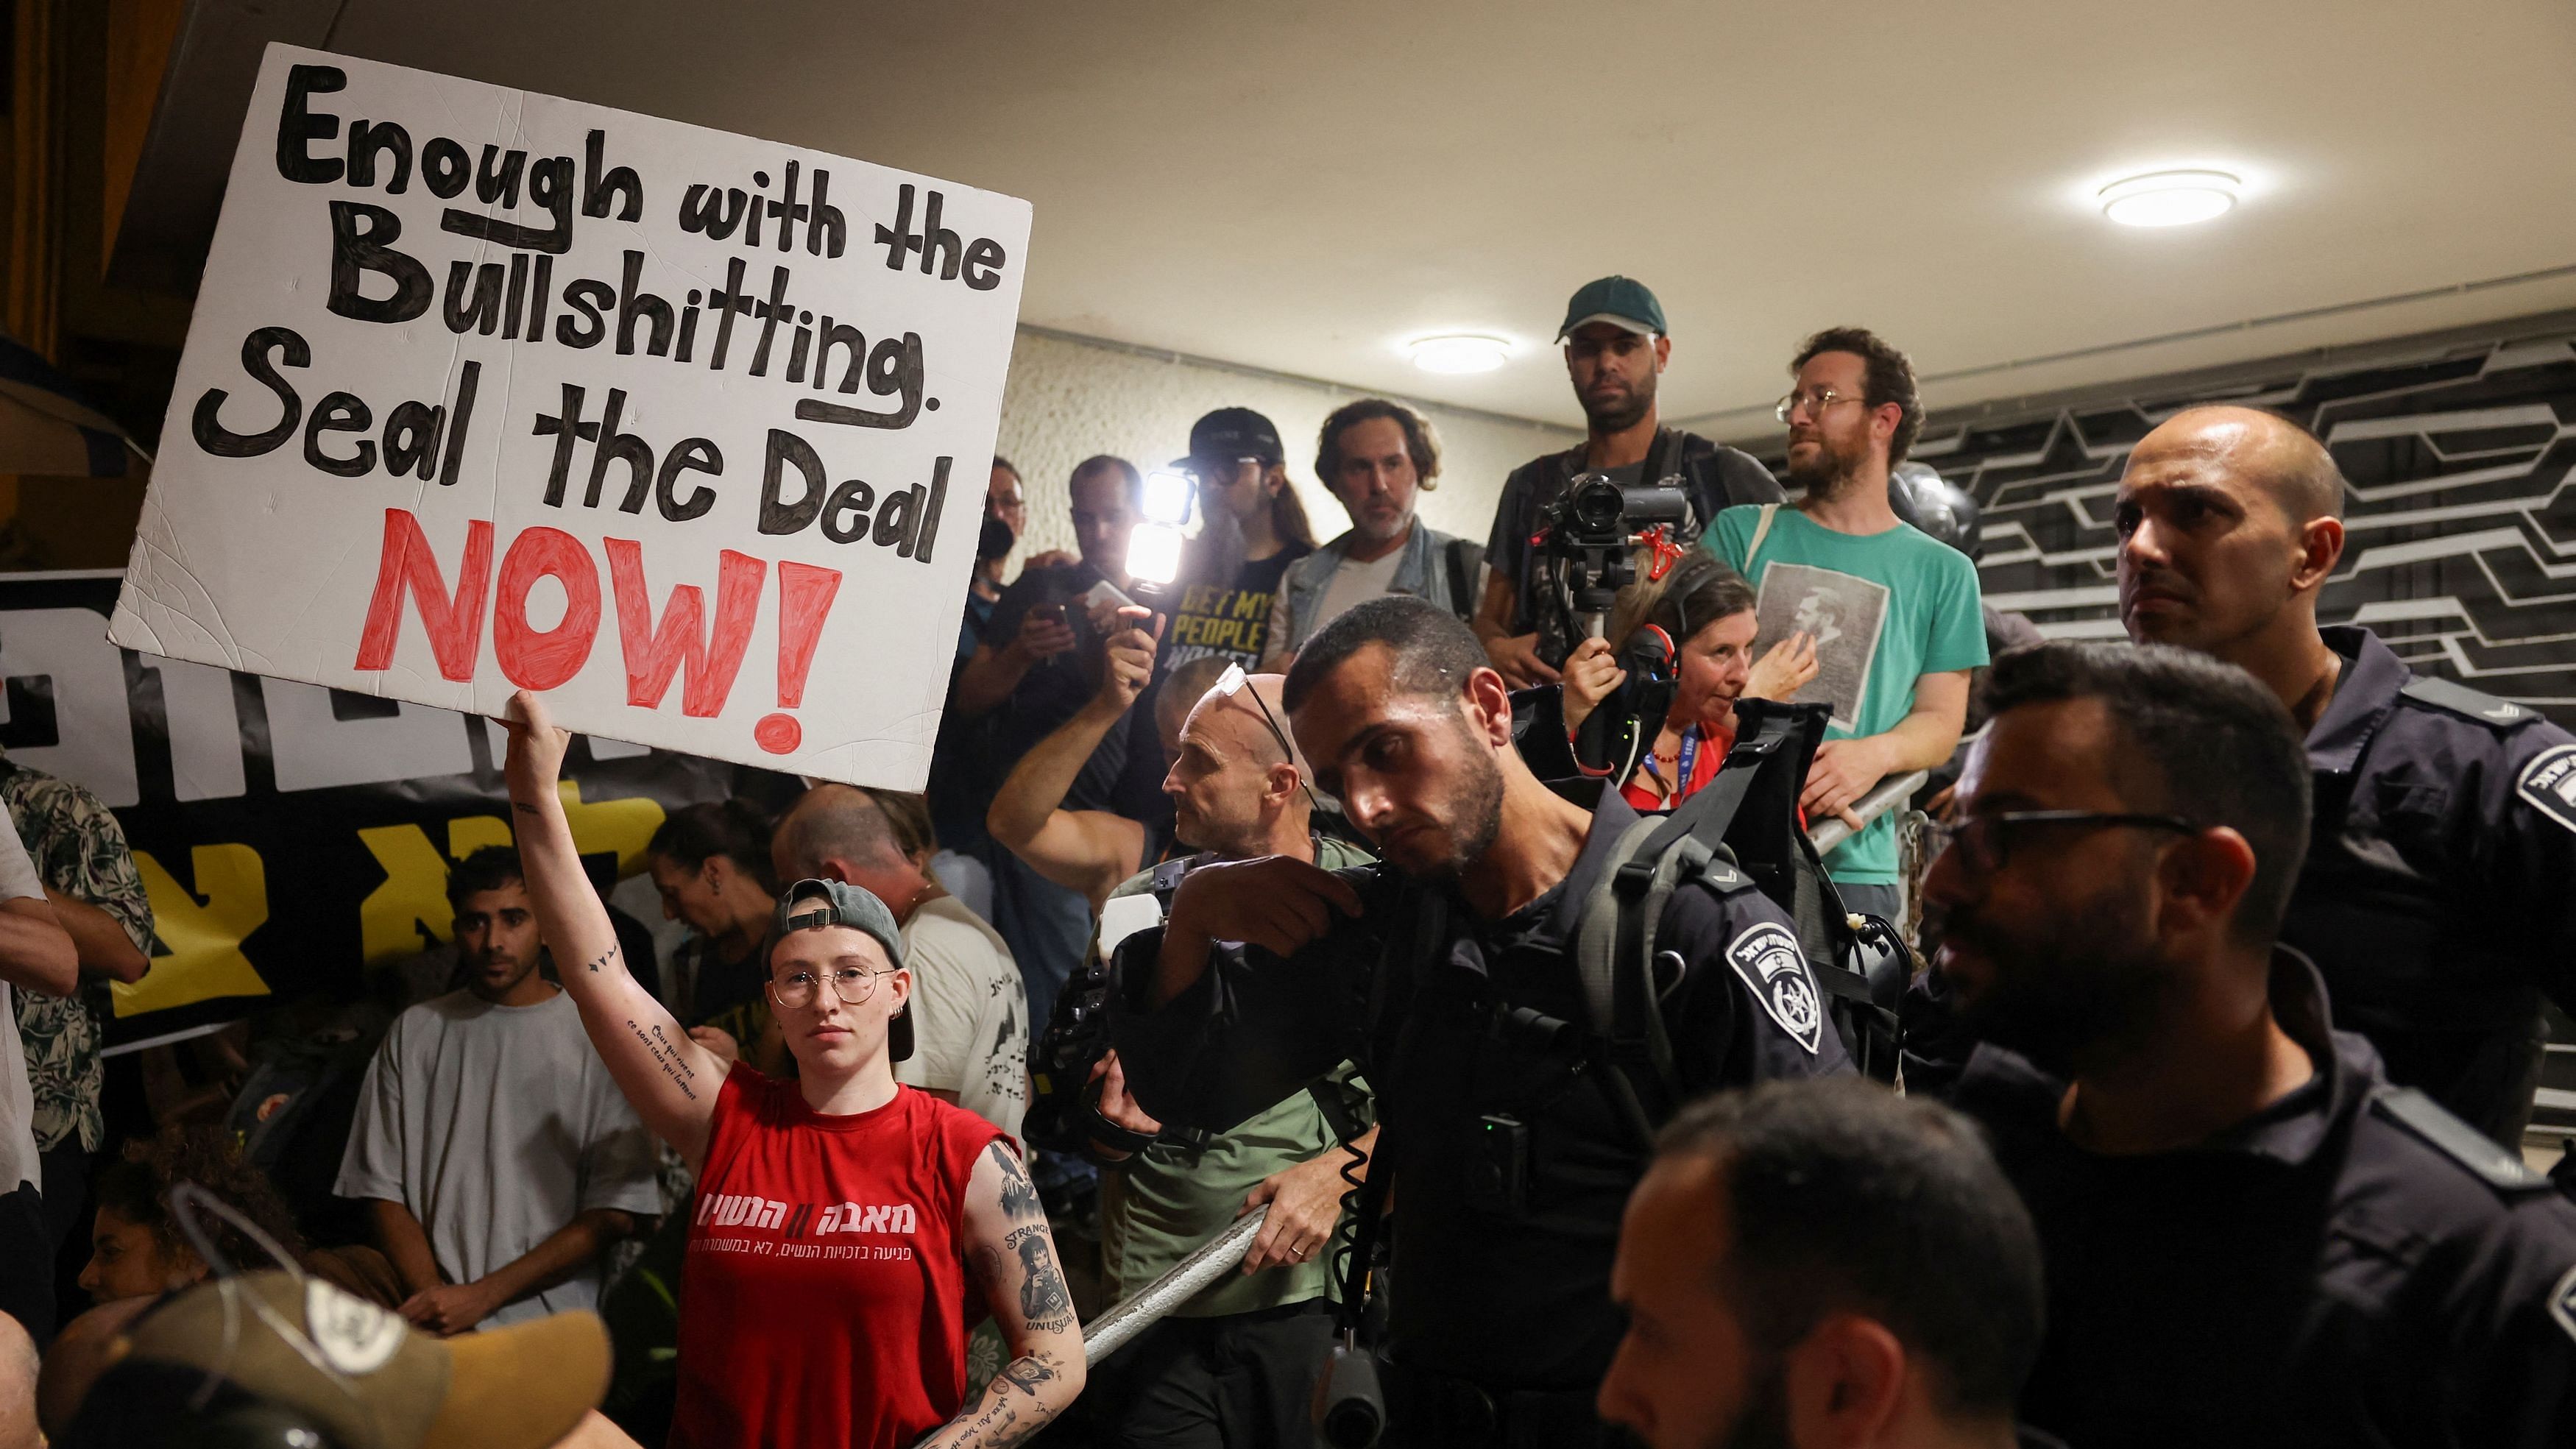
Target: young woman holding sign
(838, 1216)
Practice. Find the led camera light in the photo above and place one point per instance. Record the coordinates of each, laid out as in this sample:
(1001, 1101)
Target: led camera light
(1154, 552)
(1167, 498)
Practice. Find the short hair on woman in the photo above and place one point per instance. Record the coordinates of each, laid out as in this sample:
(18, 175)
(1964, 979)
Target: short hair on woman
(2216, 746)
(732, 829)
(492, 868)
(136, 1187)
(1435, 654)
(1841, 1197)
(1421, 442)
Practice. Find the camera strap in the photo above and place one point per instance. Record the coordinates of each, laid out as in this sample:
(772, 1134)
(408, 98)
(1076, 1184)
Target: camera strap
(1365, 1203)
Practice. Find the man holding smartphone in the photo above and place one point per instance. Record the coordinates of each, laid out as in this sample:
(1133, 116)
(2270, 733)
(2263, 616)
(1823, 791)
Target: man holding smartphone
(1040, 660)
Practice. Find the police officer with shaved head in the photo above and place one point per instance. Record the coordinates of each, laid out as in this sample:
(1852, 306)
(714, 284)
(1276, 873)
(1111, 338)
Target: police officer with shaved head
(2439, 893)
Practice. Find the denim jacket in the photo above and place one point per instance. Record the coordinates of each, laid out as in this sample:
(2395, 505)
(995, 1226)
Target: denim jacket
(1421, 569)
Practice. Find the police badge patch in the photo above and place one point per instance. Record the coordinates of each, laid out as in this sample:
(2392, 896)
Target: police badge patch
(1768, 959)
(2549, 783)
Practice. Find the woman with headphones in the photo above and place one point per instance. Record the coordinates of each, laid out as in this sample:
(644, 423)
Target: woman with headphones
(1705, 611)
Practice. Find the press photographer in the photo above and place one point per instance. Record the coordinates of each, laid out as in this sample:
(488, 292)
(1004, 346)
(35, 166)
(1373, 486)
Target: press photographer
(1685, 658)
(1616, 349)
(1515, 1110)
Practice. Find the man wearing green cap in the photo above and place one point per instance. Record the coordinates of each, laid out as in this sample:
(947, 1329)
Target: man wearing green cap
(1616, 347)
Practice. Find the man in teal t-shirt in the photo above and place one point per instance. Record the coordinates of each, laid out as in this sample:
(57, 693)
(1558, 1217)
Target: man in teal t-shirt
(1893, 613)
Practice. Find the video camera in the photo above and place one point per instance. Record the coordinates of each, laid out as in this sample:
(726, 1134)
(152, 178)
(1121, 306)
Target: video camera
(1587, 552)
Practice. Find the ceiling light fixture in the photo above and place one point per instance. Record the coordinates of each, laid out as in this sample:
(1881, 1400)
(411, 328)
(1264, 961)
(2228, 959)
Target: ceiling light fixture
(1459, 354)
(2170, 198)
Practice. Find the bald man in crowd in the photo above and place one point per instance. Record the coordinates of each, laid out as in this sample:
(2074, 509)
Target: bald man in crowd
(2439, 891)
(970, 1012)
(1234, 1368)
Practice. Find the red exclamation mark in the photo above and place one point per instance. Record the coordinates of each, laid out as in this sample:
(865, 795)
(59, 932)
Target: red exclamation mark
(804, 598)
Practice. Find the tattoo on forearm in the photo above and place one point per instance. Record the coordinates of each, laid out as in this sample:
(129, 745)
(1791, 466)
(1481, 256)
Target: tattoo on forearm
(524, 808)
(665, 1055)
(1019, 1195)
(598, 961)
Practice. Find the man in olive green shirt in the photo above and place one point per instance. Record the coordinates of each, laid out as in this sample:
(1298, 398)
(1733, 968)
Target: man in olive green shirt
(1234, 1368)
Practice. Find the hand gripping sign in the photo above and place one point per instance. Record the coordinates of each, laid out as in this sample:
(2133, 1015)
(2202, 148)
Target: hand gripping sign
(487, 390)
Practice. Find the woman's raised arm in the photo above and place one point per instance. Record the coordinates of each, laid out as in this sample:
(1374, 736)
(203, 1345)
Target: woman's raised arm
(670, 1080)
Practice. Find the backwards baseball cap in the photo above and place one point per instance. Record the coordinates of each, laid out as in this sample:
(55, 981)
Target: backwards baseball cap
(1234, 433)
(1619, 301)
(271, 1343)
(811, 905)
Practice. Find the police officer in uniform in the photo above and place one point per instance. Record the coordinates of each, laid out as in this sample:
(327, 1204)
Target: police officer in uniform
(1502, 1120)
(2252, 1238)
(2439, 895)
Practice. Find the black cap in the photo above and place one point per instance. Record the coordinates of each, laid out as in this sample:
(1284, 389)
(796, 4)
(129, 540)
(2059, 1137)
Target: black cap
(1230, 433)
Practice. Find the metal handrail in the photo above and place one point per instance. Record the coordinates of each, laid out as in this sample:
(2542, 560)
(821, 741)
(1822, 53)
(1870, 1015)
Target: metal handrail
(1215, 1258)
(1889, 795)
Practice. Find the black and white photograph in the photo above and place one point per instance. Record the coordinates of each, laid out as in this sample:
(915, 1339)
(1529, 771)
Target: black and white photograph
(1841, 613)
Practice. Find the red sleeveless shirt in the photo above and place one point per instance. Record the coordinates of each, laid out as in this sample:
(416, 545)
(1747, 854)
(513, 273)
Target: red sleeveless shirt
(823, 1301)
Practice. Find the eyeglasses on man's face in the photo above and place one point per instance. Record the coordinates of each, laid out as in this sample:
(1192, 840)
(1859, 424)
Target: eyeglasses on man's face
(1812, 401)
(1984, 843)
(799, 987)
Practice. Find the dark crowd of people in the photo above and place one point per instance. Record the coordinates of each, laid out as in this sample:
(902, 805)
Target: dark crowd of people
(1435, 927)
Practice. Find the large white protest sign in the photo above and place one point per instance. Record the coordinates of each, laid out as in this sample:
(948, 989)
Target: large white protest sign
(489, 390)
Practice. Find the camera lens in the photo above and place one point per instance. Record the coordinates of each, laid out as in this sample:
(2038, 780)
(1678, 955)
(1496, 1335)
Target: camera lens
(1598, 505)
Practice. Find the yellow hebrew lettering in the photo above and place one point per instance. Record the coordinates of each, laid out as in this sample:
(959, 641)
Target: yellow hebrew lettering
(413, 897)
(204, 932)
(624, 826)
(469, 833)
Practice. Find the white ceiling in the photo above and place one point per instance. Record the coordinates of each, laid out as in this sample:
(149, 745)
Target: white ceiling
(1302, 186)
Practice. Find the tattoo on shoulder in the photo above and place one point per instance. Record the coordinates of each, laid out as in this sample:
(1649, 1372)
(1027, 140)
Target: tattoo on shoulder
(1019, 1195)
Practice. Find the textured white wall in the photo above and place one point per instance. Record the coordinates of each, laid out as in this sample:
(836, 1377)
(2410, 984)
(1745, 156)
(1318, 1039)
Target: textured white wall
(1068, 400)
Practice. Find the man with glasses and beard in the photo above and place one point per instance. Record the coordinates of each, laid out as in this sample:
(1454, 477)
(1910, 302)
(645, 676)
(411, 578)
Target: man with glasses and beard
(1904, 607)
(1515, 1142)
(2251, 1237)
(1616, 347)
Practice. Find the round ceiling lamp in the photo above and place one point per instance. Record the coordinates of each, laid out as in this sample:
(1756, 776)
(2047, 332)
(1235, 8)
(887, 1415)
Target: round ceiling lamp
(1460, 353)
(2170, 198)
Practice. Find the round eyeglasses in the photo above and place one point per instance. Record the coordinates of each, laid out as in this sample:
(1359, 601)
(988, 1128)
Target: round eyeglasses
(801, 988)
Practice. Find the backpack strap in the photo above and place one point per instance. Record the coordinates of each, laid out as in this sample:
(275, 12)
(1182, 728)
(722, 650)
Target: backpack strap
(1618, 987)
(1761, 531)
(1466, 560)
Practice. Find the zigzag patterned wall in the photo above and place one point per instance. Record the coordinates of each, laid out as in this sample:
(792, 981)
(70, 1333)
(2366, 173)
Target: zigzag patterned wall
(2461, 520)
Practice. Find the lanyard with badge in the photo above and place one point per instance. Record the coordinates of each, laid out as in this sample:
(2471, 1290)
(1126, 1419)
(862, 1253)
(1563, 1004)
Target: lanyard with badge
(1684, 758)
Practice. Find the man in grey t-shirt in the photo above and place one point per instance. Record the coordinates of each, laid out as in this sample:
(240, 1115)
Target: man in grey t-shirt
(496, 1155)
